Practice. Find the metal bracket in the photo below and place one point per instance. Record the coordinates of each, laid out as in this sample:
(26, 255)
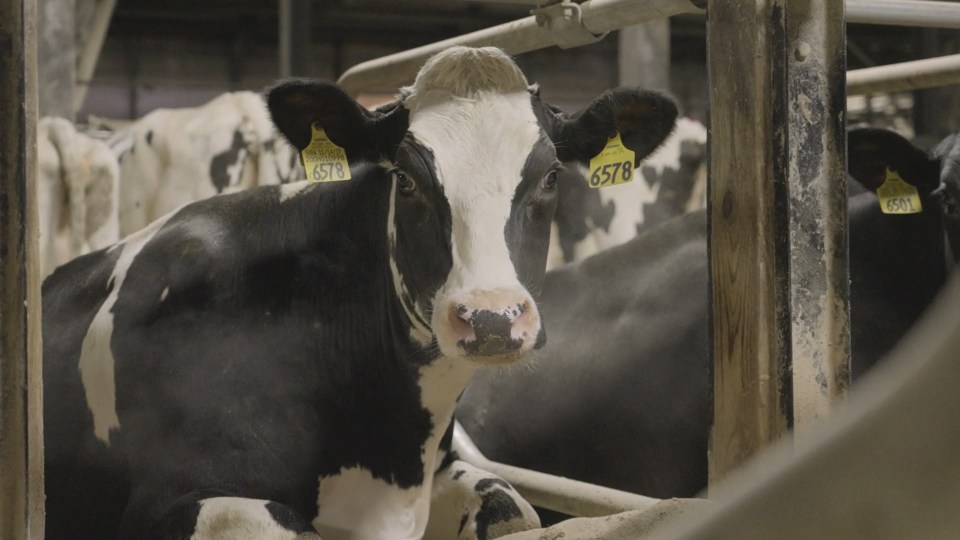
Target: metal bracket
(563, 19)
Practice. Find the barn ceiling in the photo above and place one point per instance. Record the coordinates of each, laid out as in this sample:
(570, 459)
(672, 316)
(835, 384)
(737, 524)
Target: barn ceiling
(401, 24)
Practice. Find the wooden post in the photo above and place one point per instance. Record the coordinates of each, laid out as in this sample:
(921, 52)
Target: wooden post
(644, 55)
(777, 225)
(93, 20)
(56, 50)
(295, 40)
(21, 427)
(815, 260)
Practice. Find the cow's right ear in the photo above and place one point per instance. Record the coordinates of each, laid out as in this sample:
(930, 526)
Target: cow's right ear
(365, 135)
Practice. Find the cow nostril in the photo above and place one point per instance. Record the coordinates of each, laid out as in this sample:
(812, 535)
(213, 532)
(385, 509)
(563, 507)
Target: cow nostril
(460, 320)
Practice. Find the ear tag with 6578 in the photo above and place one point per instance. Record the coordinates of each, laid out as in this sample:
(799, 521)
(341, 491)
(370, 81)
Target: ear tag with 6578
(323, 160)
(613, 165)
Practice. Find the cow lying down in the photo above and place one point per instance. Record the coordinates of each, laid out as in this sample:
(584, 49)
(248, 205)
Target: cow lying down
(621, 393)
(286, 360)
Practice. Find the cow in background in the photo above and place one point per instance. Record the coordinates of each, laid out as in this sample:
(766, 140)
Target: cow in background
(174, 156)
(621, 394)
(670, 182)
(78, 184)
(286, 360)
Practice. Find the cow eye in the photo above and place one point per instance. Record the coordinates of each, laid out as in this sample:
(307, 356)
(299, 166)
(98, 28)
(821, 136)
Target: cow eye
(405, 184)
(549, 181)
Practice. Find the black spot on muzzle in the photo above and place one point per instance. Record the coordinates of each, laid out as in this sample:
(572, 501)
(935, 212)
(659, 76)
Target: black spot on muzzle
(492, 334)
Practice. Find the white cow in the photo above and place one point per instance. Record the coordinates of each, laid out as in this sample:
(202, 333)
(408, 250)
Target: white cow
(91, 193)
(174, 156)
(77, 193)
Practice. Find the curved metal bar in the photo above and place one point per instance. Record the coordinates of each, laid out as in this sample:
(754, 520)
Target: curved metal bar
(520, 36)
(912, 75)
(552, 492)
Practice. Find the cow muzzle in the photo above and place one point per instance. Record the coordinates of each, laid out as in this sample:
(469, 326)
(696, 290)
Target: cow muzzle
(495, 326)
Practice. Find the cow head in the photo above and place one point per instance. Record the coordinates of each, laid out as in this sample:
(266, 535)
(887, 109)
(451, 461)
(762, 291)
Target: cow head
(473, 158)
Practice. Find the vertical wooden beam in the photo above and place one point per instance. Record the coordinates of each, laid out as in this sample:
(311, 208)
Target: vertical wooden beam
(295, 18)
(777, 223)
(56, 51)
(745, 43)
(93, 21)
(644, 55)
(21, 428)
(816, 256)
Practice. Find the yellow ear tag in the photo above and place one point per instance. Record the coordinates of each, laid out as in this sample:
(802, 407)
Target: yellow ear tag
(323, 160)
(613, 165)
(897, 196)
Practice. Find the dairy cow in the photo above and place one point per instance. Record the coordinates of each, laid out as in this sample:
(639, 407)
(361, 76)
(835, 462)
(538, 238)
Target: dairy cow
(286, 360)
(77, 193)
(670, 182)
(174, 156)
(621, 395)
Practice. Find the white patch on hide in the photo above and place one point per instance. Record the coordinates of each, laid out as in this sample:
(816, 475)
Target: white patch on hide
(96, 357)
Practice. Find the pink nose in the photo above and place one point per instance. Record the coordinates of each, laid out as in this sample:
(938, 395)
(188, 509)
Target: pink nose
(491, 323)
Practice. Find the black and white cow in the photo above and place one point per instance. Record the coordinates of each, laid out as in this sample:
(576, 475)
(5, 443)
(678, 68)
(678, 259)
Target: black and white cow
(671, 182)
(621, 394)
(287, 359)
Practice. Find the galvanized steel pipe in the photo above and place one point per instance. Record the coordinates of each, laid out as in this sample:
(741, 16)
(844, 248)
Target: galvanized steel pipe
(913, 75)
(904, 13)
(515, 37)
(552, 492)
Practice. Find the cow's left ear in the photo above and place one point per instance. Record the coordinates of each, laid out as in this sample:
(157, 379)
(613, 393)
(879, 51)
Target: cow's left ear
(871, 151)
(644, 118)
(365, 135)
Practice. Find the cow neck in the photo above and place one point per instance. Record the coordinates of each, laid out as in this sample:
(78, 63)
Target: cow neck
(440, 379)
(368, 498)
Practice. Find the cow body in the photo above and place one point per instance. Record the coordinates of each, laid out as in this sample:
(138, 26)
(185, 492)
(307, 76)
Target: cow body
(77, 193)
(286, 360)
(621, 395)
(174, 156)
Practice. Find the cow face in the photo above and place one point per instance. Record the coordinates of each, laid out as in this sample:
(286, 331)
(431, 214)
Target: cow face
(472, 157)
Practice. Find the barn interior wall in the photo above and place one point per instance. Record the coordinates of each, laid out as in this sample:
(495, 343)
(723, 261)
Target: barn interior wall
(137, 75)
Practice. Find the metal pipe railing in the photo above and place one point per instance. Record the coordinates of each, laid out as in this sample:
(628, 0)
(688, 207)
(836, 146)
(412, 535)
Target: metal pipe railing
(599, 16)
(905, 76)
(520, 36)
(552, 492)
(904, 13)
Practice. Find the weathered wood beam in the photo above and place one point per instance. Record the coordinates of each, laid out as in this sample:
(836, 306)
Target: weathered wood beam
(777, 207)
(816, 256)
(21, 431)
(644, 55)
(93, 21)
(56, 49)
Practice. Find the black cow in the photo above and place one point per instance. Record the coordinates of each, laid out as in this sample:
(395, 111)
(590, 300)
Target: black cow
(287, 360)
(621, 393)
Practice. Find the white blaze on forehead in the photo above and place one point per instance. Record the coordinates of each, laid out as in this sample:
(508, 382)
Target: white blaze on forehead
(480, 146)
(96, 357)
